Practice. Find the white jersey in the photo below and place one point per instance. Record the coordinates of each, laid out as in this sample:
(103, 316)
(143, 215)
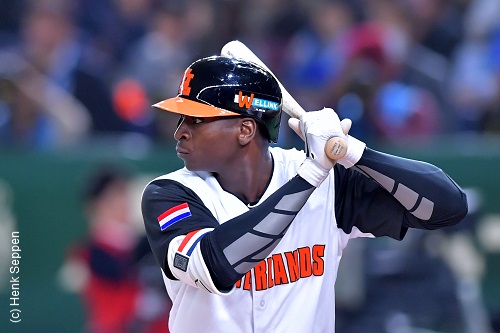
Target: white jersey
(292, 290)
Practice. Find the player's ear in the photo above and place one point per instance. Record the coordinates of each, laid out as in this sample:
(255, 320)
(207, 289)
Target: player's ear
(247, 130)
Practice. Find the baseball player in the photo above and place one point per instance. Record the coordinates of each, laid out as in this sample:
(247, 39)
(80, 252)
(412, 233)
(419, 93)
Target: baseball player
(248, 236)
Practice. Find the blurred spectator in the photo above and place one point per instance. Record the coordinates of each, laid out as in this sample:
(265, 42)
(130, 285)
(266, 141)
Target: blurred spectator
(158, 58)
(475, 76)
(439, 292)
(361, 69)
(204, 26)
(34, 112)
(8, 225)
(154, 305)
(437, 24)
(113, 25)
(52, 44)
(317, 52)
(12, 11)
(315, 56)
(394, 81)
(266, 26)
(155, 64)
(397, 296)
(110, 267)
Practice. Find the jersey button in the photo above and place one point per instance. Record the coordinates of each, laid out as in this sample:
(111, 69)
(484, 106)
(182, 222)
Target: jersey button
(262, 303)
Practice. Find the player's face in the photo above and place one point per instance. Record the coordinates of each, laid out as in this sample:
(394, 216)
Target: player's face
(206, 144)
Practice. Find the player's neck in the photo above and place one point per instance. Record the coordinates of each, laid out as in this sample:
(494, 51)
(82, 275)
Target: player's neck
(249, 181)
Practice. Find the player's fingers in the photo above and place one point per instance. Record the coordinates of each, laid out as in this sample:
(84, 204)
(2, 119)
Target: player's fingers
(295, 126)
(346, 124)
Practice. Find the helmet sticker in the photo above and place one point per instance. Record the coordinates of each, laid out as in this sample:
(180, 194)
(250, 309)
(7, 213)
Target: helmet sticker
(248, 100)
(184, 88)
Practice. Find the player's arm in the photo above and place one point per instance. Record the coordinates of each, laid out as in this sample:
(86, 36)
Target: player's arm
(203, 253)
(171, 211)
(386, 194)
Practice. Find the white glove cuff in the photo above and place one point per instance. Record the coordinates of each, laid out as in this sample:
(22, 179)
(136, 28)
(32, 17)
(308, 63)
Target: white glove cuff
(355, 149)
(313, 173)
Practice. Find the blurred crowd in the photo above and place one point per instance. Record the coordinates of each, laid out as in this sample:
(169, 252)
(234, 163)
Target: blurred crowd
(71, 71)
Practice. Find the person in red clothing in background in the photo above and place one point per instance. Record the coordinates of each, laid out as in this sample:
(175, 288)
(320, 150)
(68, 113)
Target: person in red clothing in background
(118, 289)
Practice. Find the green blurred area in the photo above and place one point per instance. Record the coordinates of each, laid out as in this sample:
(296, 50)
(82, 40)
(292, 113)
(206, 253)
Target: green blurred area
(46, 206)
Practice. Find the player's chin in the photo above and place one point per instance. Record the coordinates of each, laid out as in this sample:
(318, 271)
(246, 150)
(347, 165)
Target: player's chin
(192, 165)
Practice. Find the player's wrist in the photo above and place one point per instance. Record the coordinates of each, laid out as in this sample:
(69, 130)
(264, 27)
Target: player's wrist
(312, 172)
(355, 149)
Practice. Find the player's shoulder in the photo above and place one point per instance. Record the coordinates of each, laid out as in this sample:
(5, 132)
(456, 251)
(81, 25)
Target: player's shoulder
(291, 154)
(181, 177)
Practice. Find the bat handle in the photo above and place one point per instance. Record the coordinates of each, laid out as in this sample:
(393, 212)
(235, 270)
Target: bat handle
(336, 148)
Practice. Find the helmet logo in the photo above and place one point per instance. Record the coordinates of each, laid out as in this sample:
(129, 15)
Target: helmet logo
(185, 88)
(245, 100)
(258, 104)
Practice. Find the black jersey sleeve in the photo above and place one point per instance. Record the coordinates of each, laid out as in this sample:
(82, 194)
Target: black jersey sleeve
(160, 196)
(385, 195)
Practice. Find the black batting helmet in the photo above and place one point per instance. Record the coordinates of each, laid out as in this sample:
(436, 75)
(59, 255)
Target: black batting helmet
(222, 86)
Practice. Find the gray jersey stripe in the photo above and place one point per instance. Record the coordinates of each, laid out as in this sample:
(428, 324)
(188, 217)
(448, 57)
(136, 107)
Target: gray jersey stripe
(424, 210)
(386, 182)
(294, 202)
(274, 224)
(233, 251)
(245, 266)
(262, 255)
(407, 197)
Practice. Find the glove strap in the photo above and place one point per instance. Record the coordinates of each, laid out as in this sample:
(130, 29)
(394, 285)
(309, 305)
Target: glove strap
(355, 149)
(313, 173)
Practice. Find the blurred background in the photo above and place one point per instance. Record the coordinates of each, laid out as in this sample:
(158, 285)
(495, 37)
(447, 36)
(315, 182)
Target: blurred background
(79, 141)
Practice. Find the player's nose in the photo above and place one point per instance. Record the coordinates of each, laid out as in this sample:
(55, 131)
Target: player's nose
(182, 132)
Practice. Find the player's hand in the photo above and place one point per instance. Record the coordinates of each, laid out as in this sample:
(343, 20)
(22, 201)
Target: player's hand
(294, 124)
(317, 127)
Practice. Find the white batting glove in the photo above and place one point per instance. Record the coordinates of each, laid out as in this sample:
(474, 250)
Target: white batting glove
(355, 147)
(317, 127)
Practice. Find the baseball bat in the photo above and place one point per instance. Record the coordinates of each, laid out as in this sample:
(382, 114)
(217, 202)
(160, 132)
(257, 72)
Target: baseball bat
(335, 148)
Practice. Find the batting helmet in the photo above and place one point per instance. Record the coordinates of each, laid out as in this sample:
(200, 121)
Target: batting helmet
(220, 86)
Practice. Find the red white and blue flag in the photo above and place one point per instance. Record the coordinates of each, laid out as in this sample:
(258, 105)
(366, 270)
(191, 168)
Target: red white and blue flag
(173, 215)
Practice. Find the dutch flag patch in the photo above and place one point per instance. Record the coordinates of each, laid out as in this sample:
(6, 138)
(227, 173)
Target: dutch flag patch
(174, 215)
